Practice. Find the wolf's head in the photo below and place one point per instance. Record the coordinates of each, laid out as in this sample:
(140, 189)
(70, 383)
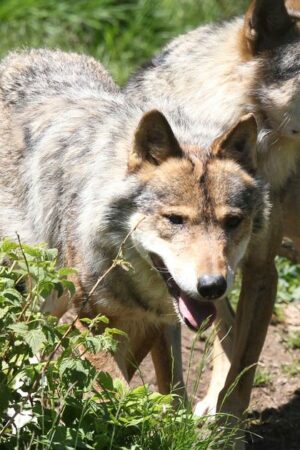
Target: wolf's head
(272, 33)
(198, 210)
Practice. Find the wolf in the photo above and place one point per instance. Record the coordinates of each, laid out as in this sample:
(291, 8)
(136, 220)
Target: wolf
(87, 171)
(215, 74)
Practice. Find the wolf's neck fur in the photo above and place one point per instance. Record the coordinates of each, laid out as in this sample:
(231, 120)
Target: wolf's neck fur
(277, 157)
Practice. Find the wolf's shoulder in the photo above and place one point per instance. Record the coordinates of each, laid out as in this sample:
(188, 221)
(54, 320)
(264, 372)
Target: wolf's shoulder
(186, 52)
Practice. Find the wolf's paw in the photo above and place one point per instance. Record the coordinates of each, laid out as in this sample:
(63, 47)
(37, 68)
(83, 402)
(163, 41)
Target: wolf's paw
(207, 406)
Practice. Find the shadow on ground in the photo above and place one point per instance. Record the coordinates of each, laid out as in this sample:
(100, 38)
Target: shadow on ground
(279, 428)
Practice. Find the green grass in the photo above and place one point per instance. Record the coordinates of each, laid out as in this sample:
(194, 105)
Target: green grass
(278, 314)
(122, 34)
(293, 340)
(262, 377)
(292, 369)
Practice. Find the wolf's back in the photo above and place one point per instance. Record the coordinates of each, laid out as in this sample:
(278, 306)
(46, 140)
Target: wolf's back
(200, 70)
(30, 76)
(51, 104)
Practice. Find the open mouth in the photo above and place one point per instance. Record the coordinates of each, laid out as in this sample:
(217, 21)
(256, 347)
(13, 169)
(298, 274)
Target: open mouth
(195, 313)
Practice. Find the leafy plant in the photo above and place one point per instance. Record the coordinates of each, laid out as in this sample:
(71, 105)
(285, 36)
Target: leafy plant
(288, 283)
(53, 398)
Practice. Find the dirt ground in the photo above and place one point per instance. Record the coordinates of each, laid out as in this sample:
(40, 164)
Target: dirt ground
(275, 405)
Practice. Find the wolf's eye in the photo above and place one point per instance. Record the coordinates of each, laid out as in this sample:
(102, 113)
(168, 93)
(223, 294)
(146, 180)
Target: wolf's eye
(174, 219)
(232, 222)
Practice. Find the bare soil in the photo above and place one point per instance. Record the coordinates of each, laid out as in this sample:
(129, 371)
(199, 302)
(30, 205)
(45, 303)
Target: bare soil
(274, 411)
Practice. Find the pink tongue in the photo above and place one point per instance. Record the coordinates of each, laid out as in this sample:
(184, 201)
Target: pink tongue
(196, 312)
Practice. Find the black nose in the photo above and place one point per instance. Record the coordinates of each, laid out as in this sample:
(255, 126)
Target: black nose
(212, 287)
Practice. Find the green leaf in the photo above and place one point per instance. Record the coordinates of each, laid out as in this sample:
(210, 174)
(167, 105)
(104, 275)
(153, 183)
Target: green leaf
(51, 254)
(59, 289)
(31, 251)
(120, 387)
(45, 287)
(95, 320)
(20, 328)
(69, 286)
(35, 339)
(13, 293)
(7, 282)
(4, 311)
(94, 344)
(7, 246)
(72, 364)
(65, 364)
(65, 271)
(105, 380)
(111, 331)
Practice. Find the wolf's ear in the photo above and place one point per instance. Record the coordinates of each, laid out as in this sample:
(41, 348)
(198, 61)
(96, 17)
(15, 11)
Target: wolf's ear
(265, 23)
(240, 143)
(154, 141)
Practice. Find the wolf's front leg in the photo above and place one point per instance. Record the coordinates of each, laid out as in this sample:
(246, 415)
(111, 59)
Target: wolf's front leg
(103, 361)
(167, 360)
(221, 358)
(253, 316)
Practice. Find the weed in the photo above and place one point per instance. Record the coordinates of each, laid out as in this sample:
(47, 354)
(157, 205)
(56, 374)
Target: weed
(293, 340)
(262, 377)
(292, 369)
(278, 315)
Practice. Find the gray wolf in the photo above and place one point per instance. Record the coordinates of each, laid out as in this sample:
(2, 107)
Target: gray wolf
(215, 74)
(82, 167)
